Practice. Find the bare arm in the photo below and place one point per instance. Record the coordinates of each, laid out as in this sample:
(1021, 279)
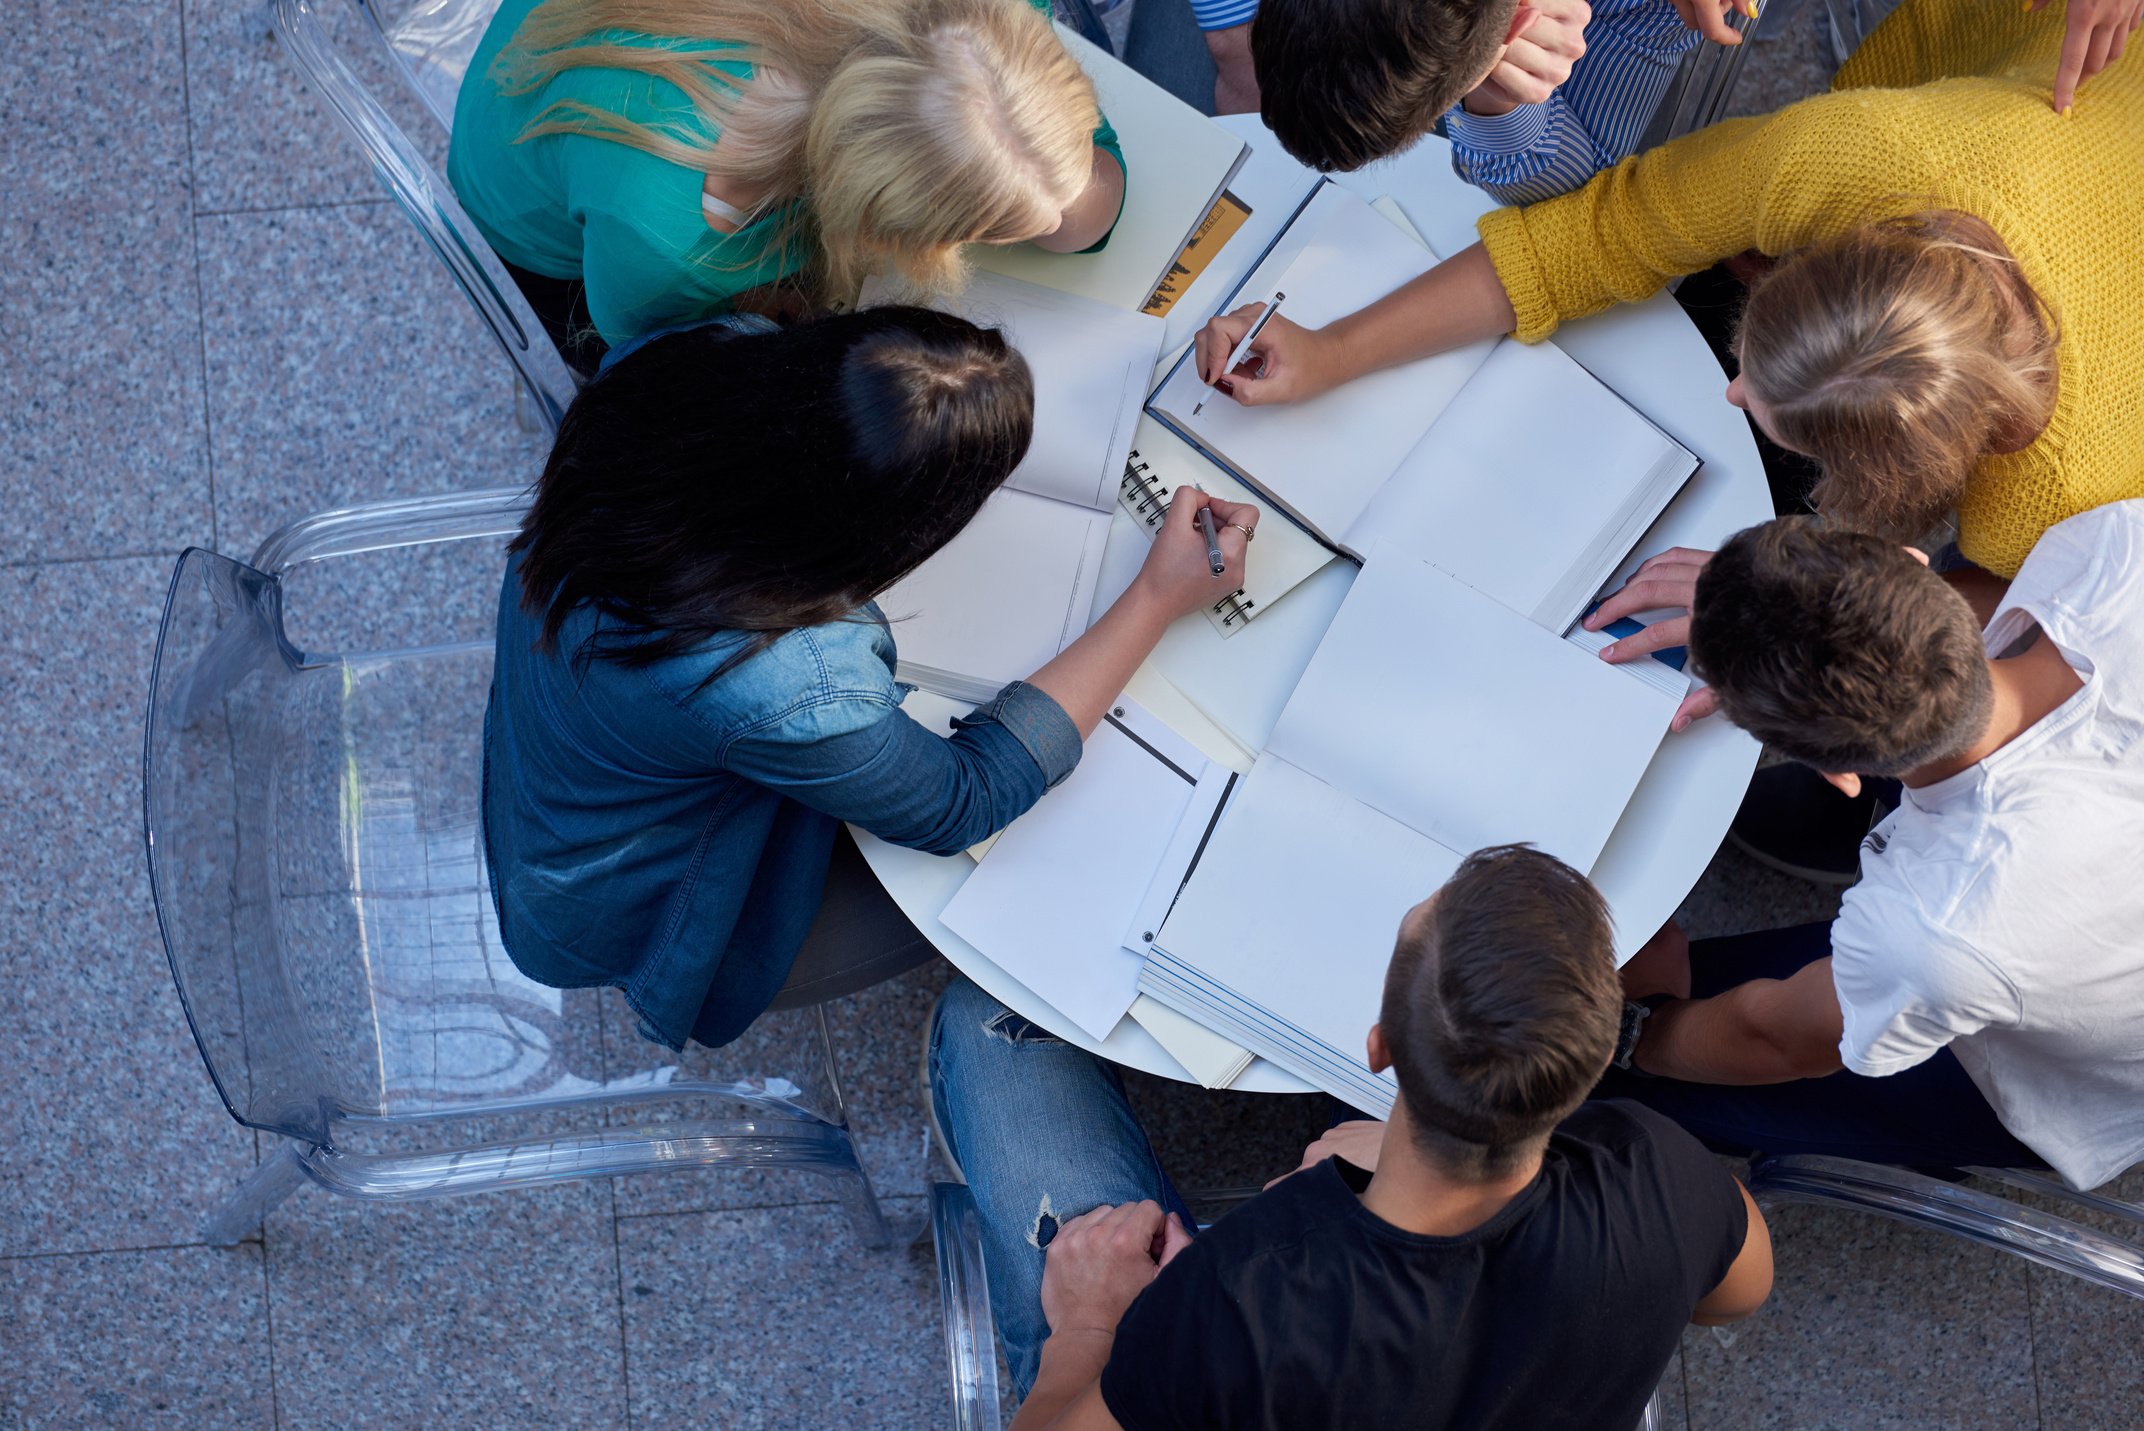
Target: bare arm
(1096, 1265)
(1764, 1031)
(1176, 580)
(1093, 213)
(1068, 1388)
(1235, 80)
(1458, 302)
(1749, 1279)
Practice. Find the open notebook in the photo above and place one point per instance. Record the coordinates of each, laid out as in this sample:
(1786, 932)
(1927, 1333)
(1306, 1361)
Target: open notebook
(1432, 721)
(1018, 584)
(1509, 465)
(1176, 163)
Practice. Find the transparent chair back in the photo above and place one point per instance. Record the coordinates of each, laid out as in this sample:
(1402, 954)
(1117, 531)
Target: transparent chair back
(429, 44)
(2102, 1243)
(317, 862)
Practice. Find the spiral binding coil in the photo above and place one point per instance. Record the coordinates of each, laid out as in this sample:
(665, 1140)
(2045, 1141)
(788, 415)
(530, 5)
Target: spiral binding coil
(1143, 495)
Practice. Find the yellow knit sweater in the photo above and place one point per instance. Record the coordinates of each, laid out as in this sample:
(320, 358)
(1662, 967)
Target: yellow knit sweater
(1944, 106)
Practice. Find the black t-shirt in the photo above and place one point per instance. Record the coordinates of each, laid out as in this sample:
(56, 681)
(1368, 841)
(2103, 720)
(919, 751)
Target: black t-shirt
(1301, 1309)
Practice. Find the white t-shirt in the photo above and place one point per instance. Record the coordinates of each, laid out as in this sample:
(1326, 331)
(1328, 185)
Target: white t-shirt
(2001, 911)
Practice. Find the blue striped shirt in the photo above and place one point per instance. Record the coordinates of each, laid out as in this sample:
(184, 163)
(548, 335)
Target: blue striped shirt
(1595, 118)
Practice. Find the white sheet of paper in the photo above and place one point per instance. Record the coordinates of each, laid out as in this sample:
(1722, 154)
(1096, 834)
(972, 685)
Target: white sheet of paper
(999, 600)
(1213, 1060)
(1465, 721)
(1092, 364)
(1177, 859)
(1531, 485)
(1050, 904)
(1327, 457)
(1297, 902)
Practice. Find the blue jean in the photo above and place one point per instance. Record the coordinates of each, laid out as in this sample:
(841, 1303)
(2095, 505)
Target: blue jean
(1043, 1133)
(1931, 1115)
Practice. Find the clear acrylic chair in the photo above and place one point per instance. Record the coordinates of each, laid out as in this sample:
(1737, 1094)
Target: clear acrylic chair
(429, 43)
(2110, 1258)
(318, 870)
(971, 1350)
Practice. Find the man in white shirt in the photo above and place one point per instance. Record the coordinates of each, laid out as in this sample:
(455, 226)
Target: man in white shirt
(1983, 986)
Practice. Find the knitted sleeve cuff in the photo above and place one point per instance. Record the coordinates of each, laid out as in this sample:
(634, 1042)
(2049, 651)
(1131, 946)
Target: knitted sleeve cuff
(1511, 251)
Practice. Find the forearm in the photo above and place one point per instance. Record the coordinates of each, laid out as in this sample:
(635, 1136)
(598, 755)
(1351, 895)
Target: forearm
(1072, 1361)
(1458, 302)
(1087, 676)
(1747, 1035)
(1094, 213)
(1235, 78)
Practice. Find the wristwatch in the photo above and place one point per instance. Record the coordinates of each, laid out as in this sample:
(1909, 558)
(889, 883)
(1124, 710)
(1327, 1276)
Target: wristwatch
(1635, 1013)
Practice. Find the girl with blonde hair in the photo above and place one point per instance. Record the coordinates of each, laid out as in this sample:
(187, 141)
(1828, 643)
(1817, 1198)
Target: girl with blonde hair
(643, 163)
(1954, 321)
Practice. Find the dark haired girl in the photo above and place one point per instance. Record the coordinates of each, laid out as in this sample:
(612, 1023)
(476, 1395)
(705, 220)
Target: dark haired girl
(693, 688)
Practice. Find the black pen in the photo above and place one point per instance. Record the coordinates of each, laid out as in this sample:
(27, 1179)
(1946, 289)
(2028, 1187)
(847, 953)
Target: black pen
(1213, 542)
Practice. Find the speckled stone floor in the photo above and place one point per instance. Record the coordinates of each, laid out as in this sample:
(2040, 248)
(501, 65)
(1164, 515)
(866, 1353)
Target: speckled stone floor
(211, 322)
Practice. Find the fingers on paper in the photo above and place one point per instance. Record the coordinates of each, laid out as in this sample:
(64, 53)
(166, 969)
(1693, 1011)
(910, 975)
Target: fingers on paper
(1695, 706)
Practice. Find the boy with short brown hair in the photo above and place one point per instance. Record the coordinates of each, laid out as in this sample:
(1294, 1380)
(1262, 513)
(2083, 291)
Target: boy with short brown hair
(1983, 986)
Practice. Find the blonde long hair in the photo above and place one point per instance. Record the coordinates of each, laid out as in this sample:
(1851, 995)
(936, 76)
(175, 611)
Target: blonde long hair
(909, 127)
(1898, 356)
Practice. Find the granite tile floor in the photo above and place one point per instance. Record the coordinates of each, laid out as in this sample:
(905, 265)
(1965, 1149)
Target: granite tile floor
(214, 323)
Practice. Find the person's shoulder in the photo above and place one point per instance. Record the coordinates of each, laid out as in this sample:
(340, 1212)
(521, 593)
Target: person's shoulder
(2090, 563)
(1616, 1126)
(1277, 1223)
(813, 683)
(1618, 1145)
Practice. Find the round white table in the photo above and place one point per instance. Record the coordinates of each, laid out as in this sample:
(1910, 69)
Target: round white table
(1649, 354)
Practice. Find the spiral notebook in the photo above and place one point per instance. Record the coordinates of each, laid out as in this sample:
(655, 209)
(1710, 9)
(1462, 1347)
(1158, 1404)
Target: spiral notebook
(1281, 557)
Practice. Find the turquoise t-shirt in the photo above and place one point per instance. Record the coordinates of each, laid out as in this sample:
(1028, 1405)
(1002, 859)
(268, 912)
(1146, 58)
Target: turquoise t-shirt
(627, 224)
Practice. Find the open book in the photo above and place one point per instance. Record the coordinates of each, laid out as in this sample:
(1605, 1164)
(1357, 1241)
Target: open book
(1432, 721)
(1018, 584)
(1509, 465)
(1176, 163)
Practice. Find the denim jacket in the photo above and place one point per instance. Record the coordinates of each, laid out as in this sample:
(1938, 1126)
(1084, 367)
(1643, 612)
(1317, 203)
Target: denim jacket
(668, 834)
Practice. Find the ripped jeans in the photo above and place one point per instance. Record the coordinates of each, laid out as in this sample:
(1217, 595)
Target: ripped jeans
(1043, 1133)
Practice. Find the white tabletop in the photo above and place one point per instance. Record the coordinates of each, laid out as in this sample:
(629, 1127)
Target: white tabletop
(1650, 355)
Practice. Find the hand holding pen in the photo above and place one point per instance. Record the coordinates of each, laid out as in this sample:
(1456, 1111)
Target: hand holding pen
(1281, 362)
(1179, 568)
(1238, 353)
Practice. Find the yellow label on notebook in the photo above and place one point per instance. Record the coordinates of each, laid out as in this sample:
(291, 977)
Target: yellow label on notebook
(1215, 230)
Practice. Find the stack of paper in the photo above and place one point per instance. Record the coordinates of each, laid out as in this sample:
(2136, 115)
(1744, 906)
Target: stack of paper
(1433, 721)
(1509, 465)
(1017, 585)
(1050, 902)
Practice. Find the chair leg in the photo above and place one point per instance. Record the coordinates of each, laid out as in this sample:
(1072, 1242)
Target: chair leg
(964, 1300)
(866, 1216)
(275, 1179)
